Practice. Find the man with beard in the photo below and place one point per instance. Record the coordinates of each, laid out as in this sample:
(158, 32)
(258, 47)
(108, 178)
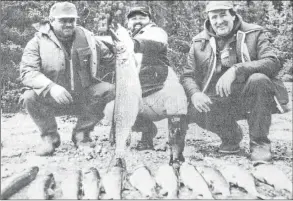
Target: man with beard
(59, 67)
(230, 76)
(163, 95)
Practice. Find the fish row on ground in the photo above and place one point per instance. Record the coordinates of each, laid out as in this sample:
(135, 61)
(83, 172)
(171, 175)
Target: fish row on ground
(204, 182)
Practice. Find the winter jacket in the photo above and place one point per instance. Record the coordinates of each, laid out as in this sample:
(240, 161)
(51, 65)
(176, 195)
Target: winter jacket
(254, 55)
(43, 60)
(152, 42)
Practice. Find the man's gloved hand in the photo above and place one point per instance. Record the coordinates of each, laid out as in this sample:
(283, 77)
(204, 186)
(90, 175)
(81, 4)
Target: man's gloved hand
(201, 102)
(60, 94)
(223, 85)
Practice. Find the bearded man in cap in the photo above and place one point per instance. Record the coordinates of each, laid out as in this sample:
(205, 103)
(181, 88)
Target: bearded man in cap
(59, 67)
(230, 76)
(163, 95)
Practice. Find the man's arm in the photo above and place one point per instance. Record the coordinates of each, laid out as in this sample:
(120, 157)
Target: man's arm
(30, 68)
(266, 62)
(190, 78)
(153, 40)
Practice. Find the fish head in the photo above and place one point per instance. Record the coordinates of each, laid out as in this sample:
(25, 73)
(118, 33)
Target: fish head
(121, 38)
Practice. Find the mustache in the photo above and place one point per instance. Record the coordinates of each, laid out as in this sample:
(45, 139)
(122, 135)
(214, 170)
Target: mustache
(137, 24)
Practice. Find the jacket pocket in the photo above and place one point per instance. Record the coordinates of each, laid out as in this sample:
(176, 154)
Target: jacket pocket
(84, 56)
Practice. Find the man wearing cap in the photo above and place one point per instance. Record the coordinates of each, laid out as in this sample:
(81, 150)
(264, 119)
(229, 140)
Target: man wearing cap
(230, 76)
(163, 95)
(59, 66)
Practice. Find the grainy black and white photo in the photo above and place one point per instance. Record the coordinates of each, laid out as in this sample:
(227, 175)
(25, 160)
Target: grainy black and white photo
(146, 100)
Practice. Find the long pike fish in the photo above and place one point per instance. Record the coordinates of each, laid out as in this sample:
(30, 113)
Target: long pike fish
(128, 88)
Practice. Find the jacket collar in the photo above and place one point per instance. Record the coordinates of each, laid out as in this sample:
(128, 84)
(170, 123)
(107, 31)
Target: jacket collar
(142, 29)
(206, 34)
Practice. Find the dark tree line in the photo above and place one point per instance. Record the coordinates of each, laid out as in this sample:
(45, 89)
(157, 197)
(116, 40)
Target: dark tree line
(181, 19)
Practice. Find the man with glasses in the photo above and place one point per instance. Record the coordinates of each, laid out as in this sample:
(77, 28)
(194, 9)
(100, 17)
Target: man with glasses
(59, 66)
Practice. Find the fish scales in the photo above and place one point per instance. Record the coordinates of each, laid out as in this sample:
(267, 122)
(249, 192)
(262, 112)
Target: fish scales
(128, 88)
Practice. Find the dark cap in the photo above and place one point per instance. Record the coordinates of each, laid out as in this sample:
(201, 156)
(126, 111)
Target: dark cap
(219, 5)
(63, 10)
(139, 9)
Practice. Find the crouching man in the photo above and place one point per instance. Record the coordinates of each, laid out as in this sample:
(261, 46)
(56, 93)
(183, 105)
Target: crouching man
(230, 76)
(59, 66)
(163, 95)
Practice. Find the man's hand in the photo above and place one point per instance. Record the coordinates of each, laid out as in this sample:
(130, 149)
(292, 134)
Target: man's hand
(60, 94)
(223, 85)
(201, 102)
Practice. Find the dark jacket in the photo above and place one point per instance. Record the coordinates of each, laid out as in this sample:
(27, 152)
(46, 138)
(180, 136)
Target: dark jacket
(253, 50)
(152, 42)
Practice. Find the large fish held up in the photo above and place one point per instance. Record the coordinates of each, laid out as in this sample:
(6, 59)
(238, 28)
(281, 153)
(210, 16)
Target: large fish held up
(271, 175)
(128, 88)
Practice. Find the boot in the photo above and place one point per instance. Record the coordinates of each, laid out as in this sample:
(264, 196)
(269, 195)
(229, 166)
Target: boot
(81, 139)
(231, 146)
(260, 152)
(149, 131)
(49, 144)
(177, 131)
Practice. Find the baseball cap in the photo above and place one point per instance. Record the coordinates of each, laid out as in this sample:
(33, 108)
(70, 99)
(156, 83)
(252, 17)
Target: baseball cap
(218, 5)
(63, 10)
(139, 9)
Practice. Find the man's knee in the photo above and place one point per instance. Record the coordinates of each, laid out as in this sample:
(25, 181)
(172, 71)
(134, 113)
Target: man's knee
(29, 98)
(259, 83)
(101, 90)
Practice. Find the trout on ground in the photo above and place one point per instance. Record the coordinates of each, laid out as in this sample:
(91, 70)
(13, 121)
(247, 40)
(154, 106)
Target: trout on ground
(128, 95)
(271, 175)
(241, 178)
(71, 186)
(91, 181)
(167, 178)
(143, 181)
(113, 180)
(215, 180)
(193, 180)
(42, 188)
(16, 183)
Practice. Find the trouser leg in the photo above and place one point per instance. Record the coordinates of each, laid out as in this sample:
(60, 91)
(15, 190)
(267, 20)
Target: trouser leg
(220, 120)
(258, 102)
(91, 109)
(177, 131)
(41, 112)
(149, 131)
